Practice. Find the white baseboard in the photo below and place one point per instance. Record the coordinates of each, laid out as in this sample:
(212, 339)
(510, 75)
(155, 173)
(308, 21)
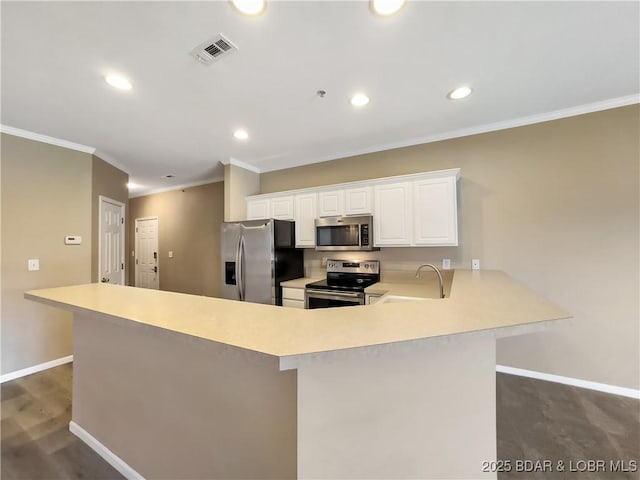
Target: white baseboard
(110, 457)
(575, 382)
(35, 369)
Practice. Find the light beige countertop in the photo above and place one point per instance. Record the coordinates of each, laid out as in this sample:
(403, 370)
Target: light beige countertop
(424, 287)
(300, 282)
(479, 301)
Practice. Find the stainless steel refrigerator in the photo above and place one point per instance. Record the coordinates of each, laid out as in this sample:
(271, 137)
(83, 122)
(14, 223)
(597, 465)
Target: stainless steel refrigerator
(256, 256)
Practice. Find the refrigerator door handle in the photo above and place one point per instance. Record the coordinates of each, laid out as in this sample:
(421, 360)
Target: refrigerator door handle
(241, 283)
(238, 272)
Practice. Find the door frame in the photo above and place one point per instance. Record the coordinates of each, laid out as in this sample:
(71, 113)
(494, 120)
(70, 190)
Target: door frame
(101, 200)
(135, 247)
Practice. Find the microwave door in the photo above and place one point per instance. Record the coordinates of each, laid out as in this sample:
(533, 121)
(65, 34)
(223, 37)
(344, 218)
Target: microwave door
(337, 236)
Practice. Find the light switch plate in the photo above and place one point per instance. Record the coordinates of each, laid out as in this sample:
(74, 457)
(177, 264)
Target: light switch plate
(170, 253)
(33, 264)
(475, 264)
(446, 263)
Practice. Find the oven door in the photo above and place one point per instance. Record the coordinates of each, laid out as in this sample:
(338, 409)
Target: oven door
(331, 298)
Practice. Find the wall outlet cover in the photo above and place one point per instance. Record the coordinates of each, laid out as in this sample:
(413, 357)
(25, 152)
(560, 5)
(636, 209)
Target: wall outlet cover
(446, 263)
(73, 240)
(475, 264)
(33, 264)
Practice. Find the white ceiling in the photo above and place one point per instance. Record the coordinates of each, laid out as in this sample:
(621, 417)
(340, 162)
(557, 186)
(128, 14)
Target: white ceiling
(522, 59)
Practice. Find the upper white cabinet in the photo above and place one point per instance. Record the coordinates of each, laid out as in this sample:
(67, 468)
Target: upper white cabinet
(331, 203)
(358, 201)
(282, 207)
(279, 207)
(408, 210)
(393, 220)
(258, 208)
(435, 211)
(305, 216)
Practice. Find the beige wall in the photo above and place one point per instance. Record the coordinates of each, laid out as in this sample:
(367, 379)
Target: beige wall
(179, 407)
(555, 205)
(110, 182)
(189, 225)
(46, 195)
(238, 183)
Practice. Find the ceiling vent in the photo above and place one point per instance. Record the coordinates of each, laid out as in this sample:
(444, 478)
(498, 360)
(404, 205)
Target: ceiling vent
(213, 49)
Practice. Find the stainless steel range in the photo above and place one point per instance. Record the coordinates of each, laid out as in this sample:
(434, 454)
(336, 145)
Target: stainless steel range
(344, 285)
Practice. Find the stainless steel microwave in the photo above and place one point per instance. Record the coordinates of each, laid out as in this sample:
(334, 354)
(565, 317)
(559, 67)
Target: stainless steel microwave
(344, 233)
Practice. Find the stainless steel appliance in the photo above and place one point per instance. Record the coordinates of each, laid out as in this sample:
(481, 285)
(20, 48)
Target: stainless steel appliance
(256, 256)
(344, 285)
(345, 233)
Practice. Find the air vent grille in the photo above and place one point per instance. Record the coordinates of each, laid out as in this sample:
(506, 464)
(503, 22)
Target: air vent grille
(213, 49)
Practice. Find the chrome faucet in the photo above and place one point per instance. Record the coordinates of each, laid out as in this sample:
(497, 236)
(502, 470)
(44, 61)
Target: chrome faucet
(439, 276)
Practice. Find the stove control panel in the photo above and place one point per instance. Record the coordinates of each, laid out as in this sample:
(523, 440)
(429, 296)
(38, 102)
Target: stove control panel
(353, 266)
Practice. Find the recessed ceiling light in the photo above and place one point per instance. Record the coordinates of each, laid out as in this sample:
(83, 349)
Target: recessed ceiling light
(359, 100)
(241, 134)
(460, 92)
(250, 7)
(386, 7)
(118, 81)
(133, 186)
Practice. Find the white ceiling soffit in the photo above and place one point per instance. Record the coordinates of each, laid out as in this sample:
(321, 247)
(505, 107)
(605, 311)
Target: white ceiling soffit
(526, 61)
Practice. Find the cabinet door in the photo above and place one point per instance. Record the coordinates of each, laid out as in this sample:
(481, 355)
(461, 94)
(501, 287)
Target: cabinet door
(435, 212)
(358, 201)
(258, 209)
(393, 221)
(282, 207)
(331, 203)
(305, 215)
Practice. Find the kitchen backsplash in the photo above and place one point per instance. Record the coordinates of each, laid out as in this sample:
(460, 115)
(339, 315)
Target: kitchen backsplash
(396, 264)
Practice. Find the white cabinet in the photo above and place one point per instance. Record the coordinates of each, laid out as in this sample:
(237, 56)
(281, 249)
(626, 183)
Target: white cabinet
(305, 216)
(331, 203)
(293, 297)
(393, 221)
(408, 210)
(435, 211)
(358, 201)
(279, 207)
(258, 208)
(282, 207)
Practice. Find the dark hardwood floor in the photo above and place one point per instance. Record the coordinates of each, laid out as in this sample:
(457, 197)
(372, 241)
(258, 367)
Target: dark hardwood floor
(36, 442)
(540, 420)
(536, 420)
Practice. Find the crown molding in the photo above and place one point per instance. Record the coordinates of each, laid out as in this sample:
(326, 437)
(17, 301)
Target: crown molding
(241, 164)
(111, 161)
(18, 132)
(153, 191)
(475, 130)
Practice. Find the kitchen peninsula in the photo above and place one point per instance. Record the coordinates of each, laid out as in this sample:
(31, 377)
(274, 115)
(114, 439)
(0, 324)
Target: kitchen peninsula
(169, 385)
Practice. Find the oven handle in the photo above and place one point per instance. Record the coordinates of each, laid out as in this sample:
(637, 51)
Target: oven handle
(323, 294)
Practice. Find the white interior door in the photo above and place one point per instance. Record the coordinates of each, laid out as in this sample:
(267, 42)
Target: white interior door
(147, 266)
(111, 241)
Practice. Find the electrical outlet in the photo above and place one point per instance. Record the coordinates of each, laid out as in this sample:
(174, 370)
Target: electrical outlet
(33, 264)
(475, 264)
(324, 261)
(446, 263)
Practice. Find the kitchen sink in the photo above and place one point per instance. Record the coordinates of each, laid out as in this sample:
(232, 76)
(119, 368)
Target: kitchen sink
(399, 299)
